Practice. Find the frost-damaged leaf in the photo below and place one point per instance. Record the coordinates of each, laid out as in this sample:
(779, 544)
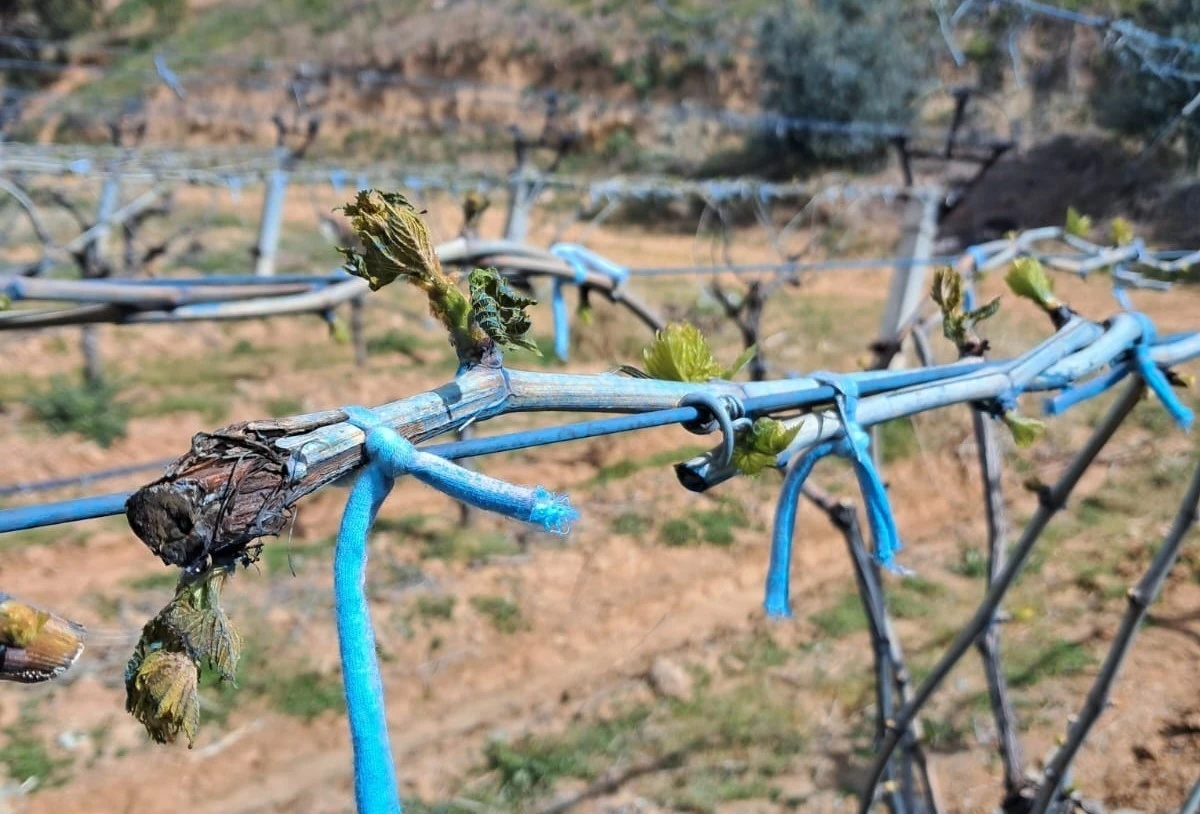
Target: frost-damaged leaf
(1077, 224)
(1025, 431)
(163, 696)
(396, 240)
(499, 309)
(680, 353)
(1121, 231)
(1026, 278)
(757, 448)
(162, 674)
(397, 244)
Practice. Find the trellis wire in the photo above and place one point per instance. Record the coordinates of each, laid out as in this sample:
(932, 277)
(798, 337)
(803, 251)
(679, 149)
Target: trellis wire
(1078, 350)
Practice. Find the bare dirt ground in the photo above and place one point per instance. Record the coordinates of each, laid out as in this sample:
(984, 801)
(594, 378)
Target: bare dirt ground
(495, 634)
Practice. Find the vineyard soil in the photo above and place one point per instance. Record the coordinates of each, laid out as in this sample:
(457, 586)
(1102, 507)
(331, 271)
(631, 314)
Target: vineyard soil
(638, 638)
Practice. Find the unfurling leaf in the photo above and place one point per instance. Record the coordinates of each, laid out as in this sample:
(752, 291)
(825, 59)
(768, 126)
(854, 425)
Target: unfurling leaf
(499, 309)
(339, 331)
(162, 674)
(757, 448)
(958, 325)
(5, 302)
(1028, 279)
(947, 289)
(983, 312)
(740, 362)
(1077, 224)
(1121, 231)
(1025, 431)
(680, 353)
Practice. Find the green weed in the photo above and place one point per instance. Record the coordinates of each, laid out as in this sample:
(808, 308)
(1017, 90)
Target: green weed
(434, 608)
(846, 616)
(88, 408)
(677, 532)
(305, 695)
(284, 406)
(898, 439)
(213, 407)
(395, 341)
(504, 614)
(631, 523)
(25, 756)
(1026, 666)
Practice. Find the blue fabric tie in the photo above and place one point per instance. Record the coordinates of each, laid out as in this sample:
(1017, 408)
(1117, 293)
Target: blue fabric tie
(389, 455)
(853, 445)
(1139, 361)
(581, 260)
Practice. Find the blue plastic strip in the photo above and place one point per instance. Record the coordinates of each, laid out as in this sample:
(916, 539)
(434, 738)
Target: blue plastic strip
(66, 511)
(1155, 379)
(390, 455)
(852, 445)
(375, 789)
(777, 602)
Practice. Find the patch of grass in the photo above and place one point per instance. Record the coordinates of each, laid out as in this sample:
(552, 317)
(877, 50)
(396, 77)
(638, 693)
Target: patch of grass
(157, 581)
(284, 557)
(243, 347)
(1025, 666)
(532, 765)
(704, 789)
(212, 407)
(24, 756)
(434, 608)
(677, 532)
(466, 545)
(972, 563)
(844, 617)
(629, 466)
(395, 341)
(306, 694)
(944, 734)
(761, 652)
(90, 409)
(717, 525)
(631, 523)
(898, 439)
(503, 613)
(284, 406)
(915, 598)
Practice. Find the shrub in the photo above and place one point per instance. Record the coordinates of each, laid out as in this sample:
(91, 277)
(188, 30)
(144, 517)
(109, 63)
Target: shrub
(89, 408)
(842, 60)
(1132, 99)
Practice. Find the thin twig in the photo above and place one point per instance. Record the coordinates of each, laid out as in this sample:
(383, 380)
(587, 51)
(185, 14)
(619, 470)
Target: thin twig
(987, 440)
(1140, 598)
(1050, 502)
(890, 670)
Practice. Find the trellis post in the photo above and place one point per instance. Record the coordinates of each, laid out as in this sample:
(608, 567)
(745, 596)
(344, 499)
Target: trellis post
(267, 247)
(907, 287)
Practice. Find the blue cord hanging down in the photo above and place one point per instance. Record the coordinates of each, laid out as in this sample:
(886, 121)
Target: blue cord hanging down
(1139, 361)
(390, 455)
(852, 445)
(581, 260)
